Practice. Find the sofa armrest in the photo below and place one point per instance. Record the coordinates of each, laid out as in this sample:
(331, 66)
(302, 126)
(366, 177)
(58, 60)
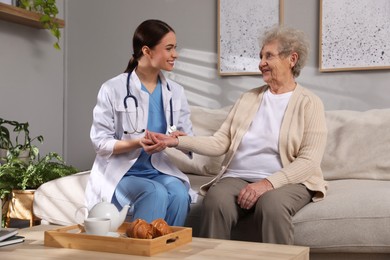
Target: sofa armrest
(56, 201)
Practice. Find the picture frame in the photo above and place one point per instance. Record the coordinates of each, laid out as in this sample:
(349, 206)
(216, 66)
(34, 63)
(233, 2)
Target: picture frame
(350, 39)
(240, 24)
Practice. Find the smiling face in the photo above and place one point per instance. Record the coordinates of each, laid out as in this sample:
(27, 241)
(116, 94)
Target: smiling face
(275, 66)
(164, 54)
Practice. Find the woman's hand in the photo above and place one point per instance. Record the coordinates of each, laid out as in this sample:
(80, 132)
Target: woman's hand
(156, 142)
(251, 193)
(168, 140)
(151, 144)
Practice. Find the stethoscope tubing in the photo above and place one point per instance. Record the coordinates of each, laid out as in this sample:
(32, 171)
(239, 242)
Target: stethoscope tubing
(131, 96)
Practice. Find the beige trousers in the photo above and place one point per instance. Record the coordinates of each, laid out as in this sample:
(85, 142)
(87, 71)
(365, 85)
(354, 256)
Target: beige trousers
(273, 211)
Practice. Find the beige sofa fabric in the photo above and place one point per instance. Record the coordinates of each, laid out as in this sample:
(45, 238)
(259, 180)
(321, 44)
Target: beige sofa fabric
(358, 145)
(353, 217)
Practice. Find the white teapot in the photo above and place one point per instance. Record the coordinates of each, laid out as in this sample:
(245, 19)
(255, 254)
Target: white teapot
(105, 209)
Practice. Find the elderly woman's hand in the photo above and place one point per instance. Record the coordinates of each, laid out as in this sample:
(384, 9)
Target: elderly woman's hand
(156, 142)
(251, 193)
(177, 134)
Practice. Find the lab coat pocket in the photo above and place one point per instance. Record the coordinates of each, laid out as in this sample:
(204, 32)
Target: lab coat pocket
(128, 121)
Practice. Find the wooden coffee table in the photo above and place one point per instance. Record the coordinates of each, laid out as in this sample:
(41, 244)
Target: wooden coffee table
(199, 248)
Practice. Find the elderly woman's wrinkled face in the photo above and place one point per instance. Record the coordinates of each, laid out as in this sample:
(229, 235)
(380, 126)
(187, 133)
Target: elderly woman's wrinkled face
(275, 68)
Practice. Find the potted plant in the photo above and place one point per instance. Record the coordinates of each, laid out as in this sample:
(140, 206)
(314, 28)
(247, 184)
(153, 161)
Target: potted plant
(48, 10)
(19, 179)
(18, 175)
(23, 145)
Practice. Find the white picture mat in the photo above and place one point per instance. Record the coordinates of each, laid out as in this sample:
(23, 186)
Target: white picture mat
(355, 34)
(241, 23)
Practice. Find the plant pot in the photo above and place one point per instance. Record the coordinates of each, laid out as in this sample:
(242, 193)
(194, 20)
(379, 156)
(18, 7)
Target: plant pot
(4, 210)
(21, 206)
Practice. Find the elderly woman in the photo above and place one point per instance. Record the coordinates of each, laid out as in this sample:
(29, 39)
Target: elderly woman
(274, 138)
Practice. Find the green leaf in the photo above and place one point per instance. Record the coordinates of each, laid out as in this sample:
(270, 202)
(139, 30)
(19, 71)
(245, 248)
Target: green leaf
(56, 33)
(57, 46)
(44, 18)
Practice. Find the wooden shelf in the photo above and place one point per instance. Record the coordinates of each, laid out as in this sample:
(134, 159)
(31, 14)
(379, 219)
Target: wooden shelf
(21, 16)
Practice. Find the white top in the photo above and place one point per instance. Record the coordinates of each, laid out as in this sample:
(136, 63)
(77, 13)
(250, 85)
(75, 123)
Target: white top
(257, 156)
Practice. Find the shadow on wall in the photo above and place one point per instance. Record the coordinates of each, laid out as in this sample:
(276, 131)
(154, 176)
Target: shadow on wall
(338, 92)
(197, 72)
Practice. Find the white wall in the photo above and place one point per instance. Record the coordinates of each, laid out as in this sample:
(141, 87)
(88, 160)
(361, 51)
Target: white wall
(32, 81)
(354, 90)
(97, 46)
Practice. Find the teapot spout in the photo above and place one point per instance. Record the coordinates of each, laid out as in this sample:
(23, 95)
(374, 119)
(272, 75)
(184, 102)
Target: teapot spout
(123, 213)
(125, 209)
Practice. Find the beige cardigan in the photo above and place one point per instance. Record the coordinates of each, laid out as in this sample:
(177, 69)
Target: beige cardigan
(302, 139)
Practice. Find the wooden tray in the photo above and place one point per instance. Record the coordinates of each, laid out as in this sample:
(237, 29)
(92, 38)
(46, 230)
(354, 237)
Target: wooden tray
(74, 237)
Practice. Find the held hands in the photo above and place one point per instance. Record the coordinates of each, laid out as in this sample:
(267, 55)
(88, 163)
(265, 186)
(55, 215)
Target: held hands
(151, 146)
(156, 142)
(251, 193)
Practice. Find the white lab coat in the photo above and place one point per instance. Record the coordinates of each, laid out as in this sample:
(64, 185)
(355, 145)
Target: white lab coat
(109, 124)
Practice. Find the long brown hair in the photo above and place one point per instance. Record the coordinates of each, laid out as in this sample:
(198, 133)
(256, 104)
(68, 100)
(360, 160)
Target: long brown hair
(148, 33)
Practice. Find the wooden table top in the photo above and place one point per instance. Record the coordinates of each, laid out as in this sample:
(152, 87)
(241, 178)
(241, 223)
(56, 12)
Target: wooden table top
(199, 248)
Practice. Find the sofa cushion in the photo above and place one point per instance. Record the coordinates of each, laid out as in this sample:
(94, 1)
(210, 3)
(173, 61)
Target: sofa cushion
(205, 121)
(358, 145)
(354, 217)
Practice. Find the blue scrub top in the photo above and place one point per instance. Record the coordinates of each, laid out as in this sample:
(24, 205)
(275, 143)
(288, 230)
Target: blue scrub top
(156, 123)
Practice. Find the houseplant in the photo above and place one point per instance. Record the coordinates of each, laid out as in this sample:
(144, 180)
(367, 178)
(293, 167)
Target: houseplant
(18, 176)
(22, 146)
(48, 10)
(18, 173)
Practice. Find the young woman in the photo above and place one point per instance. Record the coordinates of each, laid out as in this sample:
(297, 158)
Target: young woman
(128, 105)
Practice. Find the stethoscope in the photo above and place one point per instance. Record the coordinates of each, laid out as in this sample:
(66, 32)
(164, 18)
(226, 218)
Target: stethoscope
(171, 128)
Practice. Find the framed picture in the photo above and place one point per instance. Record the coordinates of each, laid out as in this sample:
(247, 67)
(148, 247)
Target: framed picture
(354, 35)
(240, 24)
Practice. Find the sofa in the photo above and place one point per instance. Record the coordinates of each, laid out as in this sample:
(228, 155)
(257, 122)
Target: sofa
(352, 222)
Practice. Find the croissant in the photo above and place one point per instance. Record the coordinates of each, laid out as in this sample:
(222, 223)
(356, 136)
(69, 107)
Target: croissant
(160, 227)
(140, 229)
